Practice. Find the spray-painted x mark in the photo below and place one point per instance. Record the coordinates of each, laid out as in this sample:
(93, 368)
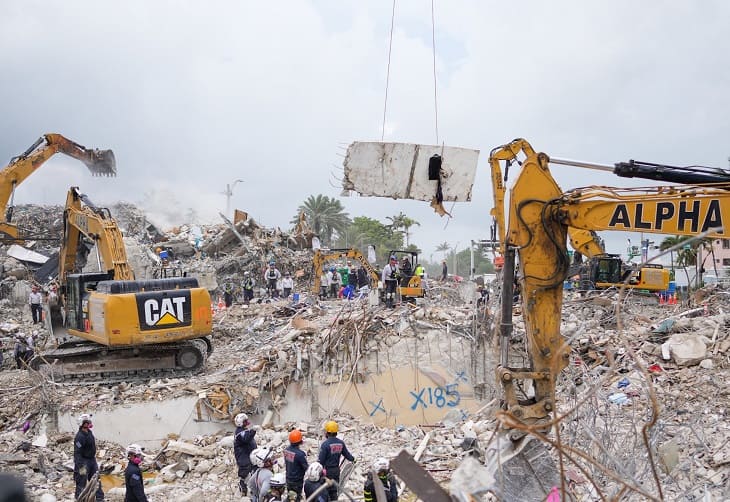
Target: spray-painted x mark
(377, 407)
(419, 399)
(461, 376)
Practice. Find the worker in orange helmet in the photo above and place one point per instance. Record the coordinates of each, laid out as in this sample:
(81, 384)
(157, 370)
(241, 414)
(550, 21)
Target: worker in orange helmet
(296, 464)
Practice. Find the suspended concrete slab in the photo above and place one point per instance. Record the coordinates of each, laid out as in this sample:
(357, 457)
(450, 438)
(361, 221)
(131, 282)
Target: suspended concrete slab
(401, 171)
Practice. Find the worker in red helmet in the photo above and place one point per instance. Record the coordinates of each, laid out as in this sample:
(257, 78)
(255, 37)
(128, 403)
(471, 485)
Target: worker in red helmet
(296, 464)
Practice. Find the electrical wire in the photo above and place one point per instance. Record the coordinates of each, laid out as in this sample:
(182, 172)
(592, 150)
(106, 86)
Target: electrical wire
(387, 74)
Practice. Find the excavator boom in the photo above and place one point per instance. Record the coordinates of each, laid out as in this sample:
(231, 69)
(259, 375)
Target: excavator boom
(99, 163)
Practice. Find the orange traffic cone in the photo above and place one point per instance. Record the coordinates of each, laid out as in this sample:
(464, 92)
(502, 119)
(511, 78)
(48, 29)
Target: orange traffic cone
(212, 308)
(673, 299)
(221, 305)
(661, 299)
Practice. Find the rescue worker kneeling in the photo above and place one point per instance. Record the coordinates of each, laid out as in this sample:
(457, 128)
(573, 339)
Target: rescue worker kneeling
(133, 481)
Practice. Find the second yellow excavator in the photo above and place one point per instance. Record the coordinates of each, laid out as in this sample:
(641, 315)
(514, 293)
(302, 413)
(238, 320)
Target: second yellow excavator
(99, 162)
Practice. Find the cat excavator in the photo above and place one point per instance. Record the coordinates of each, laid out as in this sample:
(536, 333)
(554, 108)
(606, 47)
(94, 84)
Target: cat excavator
(693, 201)
(108, 326)
(99, 163)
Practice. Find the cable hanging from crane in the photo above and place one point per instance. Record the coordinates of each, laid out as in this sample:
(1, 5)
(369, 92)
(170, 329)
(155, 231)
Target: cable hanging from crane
(387, 74)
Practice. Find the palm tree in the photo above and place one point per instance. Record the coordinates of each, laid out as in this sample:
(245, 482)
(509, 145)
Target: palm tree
(402, 221)
(444, 248)
(326, 216)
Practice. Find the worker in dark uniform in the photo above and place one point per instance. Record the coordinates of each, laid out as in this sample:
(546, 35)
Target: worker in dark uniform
(329, 455)
(243, 444)
(296, 464)
(313, 479)
(382, 467)
(85, 465)
(390, 280)
(133, 475)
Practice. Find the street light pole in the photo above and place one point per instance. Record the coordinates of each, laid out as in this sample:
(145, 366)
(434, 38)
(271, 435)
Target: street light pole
(228, 193)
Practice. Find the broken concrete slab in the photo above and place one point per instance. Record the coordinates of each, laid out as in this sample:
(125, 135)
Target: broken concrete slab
(687, 349)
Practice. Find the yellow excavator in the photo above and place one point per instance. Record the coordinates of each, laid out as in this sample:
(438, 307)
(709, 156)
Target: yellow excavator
(109, 326)
(602, 270)
(693, 201)
(322, 256)
(99, 162)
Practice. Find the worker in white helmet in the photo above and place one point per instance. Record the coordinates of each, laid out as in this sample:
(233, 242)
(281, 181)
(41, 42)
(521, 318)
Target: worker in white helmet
(244, 444)
(133, 475)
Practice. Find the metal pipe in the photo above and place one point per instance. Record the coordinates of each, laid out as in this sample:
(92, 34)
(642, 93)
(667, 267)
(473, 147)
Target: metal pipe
(508, 281)
(580, 163)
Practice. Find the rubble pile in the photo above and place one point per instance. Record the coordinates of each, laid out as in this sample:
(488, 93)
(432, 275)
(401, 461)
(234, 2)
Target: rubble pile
(643, 395)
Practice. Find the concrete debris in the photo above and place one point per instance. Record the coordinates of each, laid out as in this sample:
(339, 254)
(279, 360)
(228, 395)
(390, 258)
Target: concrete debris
(418, 378)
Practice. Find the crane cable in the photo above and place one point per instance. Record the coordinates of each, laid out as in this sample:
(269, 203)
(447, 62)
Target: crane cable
(387, 74)
(433, 45)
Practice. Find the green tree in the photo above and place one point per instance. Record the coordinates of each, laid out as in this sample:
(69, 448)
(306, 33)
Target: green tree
(365, 231)
(401, 221)
(326, 216)
(444, 248)
(686, 254)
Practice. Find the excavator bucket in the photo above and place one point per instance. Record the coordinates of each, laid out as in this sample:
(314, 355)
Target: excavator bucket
(102, 163)
(519, 470)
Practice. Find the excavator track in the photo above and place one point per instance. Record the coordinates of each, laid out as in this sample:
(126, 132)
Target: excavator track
(90, 362)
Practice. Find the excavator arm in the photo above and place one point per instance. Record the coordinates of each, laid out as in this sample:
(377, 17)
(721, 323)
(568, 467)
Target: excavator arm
(540, 216)
(81, 219)
(534, 243)
(99, 162)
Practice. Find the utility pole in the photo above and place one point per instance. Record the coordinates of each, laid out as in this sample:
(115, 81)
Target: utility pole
(228, 193)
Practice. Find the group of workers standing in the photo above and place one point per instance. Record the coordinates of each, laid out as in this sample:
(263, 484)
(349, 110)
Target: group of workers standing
(343, 282)
(300, 480)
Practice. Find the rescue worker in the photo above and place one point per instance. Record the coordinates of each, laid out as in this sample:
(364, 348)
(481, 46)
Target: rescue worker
(419, 271)
(390, 280)
(228, 294)
(259, 482)
(362, 278)
(324, 285)
(329, 455)
(335, 282)
(406, 271)
(287, 284)
(248, 284)
(19, 350)
(444, 271)
(35, 300)
(244, 443)
(85, 465)
(313, 479)
(133, 475)
(296, 464)
(382, 467)
(277, 489)
(272, 276)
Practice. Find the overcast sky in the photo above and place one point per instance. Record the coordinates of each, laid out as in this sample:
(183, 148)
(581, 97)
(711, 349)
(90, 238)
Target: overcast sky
(193, 95)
